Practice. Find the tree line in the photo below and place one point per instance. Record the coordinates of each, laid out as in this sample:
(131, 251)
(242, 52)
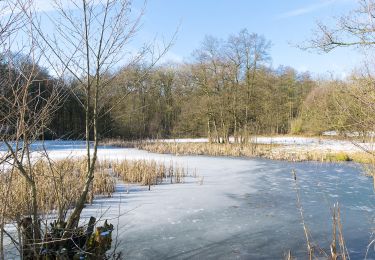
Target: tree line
(229, 89)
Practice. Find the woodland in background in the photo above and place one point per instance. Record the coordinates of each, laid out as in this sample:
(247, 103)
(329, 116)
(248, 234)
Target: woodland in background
(229, 89)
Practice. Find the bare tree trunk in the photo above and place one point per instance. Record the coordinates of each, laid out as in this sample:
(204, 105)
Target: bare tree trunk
(216, 132)
(74, 217)
(36, 223)
(27, 240)
(209, 131)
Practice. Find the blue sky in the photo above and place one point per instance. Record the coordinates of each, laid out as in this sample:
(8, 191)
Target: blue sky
(284, 22)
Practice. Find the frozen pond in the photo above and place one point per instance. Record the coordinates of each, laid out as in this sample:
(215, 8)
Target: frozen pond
(245, 208)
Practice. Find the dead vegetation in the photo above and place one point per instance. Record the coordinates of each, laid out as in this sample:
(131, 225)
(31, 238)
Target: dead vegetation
(149, 172)
(214, 149)
(60, 182)
(270, 151)
(118, 143)
(337, 248)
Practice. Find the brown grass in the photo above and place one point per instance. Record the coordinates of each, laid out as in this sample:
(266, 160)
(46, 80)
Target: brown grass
(118, 143)
(270, 151)
(149, 172)
(59, 183)
(249, 150)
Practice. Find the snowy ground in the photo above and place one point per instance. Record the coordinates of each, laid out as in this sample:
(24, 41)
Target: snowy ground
(315, 144)
(244, 209)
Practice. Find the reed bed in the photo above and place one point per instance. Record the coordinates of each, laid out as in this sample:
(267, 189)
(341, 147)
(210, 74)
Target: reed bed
(149, 172)
(58, 184)
(270, 151)
(119, 143)
(249, 150)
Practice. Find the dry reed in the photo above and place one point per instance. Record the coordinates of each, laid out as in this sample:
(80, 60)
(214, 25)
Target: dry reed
(58, 183)
(249, 150)
(337, 248)
(270, 151)
(149, 172)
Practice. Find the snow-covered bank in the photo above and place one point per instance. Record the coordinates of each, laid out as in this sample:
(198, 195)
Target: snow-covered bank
(295, 142)
(63, 149)
(315, 144)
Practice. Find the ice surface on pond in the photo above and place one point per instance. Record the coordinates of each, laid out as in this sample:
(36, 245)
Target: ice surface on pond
(245, 208)
(51, 145)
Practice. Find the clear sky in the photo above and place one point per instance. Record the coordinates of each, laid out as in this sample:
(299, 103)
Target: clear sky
(284, 22)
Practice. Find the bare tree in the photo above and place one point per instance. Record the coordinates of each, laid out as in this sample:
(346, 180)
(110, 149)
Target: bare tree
(11, 20)
(356, 29)
(228, 77)
(90, 40)
(28, 100)
(247, 52)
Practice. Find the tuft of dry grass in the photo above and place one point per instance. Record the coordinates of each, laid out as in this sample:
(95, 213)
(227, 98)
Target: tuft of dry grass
(149, 172)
